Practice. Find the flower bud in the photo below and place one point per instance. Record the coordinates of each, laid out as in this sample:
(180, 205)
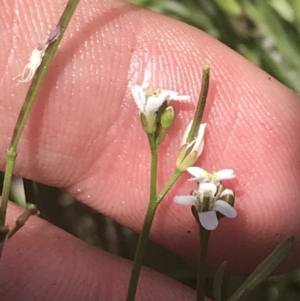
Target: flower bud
(167, 118)
(227, 195)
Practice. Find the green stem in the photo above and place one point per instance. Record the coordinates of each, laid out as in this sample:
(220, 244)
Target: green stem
(201, 104)
(161, 136)
(202, 268)
(11, 153)
(177, 173)
(10, 163)
(143, 240)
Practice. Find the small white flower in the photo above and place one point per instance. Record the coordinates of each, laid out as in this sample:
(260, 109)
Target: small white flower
(208, 219)
(202, 176)
(190, 151)
(198, 143)
(149, 103)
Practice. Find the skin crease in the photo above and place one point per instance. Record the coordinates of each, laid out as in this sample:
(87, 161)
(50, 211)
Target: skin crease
(84, 135)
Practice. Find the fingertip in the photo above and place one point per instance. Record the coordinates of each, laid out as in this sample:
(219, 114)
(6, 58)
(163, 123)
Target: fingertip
(46, 263)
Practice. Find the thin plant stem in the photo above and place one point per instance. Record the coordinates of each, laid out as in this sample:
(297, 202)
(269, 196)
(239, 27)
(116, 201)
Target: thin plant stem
(22, 219)
(10, 163)
(11, 153)
(201, 103)
(177, 173)
(161, 136)
(142, 243)
(204, 237)
(202, 267)
(156, 199)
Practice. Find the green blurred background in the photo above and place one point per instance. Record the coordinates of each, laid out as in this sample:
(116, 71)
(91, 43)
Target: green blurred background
(267, 34)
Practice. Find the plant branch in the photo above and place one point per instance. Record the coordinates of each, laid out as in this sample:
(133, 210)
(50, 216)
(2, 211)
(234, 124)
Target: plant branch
(27, 106)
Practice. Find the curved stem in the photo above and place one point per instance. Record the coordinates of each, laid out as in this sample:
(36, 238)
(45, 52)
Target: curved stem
(11, 153)
(201, 104)
(143, 240)
(177, 173)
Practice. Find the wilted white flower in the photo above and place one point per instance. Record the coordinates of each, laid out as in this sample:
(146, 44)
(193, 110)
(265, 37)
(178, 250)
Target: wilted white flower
(208, 219)
(32, 65)
(198, 143)
(202, 176)
(190, 151)
(37, 55)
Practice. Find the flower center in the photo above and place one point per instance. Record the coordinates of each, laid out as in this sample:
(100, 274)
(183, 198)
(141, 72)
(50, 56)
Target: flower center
(156, 92)
(212, 177)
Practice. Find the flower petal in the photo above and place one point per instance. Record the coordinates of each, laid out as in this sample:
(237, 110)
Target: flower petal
(153, 104)
(197, 172)
(186, 200)
(225, 174)
(168, 94)
(225, 209)
(200, 139)
(181, 98)
(208, 220)
(186, 134)
(165, 96)
(199, 148)
(208, 187)
(172, 95)
(138, 96)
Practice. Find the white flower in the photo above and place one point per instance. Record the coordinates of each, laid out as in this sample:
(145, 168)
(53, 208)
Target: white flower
(208, 219)
(198, 143)
(190, 151)
(149, 103)
(202, 176)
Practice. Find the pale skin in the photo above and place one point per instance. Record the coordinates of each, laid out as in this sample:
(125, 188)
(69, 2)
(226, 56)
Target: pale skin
(84, 136)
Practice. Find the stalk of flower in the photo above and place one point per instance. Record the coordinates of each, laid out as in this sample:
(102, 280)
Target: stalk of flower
(156, 117)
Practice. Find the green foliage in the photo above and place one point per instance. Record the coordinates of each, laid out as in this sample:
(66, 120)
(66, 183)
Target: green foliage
(265, 32)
